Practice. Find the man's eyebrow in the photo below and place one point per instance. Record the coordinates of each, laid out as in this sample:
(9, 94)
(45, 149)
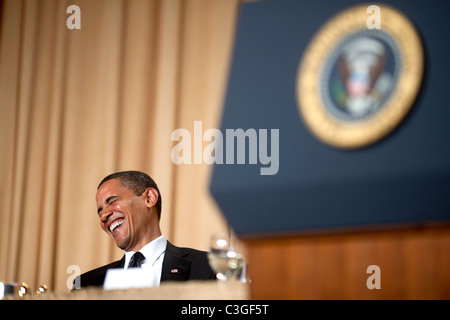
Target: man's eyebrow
(107, 201)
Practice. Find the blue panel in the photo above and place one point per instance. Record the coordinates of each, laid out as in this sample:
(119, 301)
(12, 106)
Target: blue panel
(401, 179)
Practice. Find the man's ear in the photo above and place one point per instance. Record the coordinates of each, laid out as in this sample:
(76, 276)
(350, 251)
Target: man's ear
(151, 197)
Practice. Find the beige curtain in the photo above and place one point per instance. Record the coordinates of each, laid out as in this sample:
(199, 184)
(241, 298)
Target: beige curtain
(76, 105)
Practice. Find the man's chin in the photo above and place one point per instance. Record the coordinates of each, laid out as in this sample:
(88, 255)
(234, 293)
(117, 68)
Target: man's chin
(121, 243)
(121, 246)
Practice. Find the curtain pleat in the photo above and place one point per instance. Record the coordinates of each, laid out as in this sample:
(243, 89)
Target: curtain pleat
(77, 105)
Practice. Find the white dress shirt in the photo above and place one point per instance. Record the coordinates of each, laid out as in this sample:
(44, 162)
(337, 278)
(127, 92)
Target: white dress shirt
(154, 256)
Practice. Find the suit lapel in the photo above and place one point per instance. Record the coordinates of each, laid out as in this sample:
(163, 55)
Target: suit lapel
(175, 267)
(97, 277)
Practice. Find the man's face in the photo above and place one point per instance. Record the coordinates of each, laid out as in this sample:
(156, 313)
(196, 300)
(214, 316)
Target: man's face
(123, 215)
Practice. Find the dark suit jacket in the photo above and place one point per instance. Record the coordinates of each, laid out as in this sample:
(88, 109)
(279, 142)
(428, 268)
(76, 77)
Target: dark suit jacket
(191, 264)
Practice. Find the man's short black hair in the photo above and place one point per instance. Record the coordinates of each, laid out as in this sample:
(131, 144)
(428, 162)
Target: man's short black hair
(137, 182)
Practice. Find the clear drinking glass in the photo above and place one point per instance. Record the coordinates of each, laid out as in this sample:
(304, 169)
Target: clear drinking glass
(224, 259)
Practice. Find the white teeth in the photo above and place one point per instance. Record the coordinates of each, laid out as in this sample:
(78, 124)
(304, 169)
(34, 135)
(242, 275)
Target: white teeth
(115, 224)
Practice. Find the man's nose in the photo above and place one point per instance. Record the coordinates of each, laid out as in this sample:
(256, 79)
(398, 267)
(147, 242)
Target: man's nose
(106, 213)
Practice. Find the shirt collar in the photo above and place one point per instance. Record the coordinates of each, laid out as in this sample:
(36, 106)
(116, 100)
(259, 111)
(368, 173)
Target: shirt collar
(151, 251)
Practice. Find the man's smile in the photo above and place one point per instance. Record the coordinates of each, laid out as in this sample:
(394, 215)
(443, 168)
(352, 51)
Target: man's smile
(116, 224)
(113, 224)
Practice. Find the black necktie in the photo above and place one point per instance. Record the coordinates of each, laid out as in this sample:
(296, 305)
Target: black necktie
(136, 260)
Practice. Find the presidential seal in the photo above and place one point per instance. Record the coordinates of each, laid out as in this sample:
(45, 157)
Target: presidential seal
(355, 84)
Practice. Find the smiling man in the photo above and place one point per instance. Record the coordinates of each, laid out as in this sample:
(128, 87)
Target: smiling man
(129, 208)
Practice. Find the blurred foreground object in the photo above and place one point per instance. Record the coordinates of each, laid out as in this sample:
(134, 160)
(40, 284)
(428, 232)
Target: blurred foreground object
(17, 289)
(364, 170)
(191, 290)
